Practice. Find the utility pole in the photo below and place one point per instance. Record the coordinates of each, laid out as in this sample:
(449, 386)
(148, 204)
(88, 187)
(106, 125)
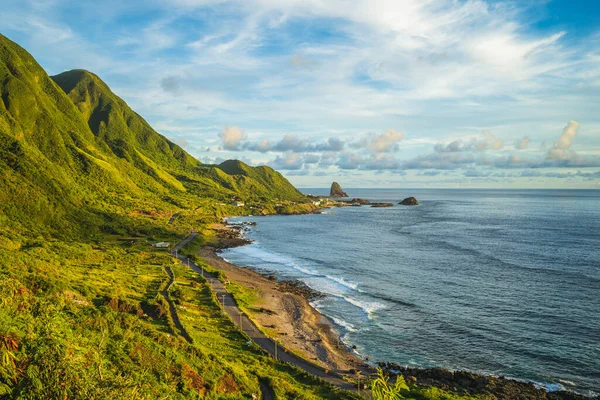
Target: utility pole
(176, 256)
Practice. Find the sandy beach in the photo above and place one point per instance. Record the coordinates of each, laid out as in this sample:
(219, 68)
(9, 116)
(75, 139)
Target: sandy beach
(299, 326)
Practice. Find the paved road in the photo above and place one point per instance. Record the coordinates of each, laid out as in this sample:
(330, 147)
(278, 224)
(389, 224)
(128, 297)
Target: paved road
(244, 323)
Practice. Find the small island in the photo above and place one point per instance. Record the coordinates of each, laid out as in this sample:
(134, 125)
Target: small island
(409, 201)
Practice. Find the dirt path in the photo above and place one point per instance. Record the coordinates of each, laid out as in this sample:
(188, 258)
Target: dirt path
(172, 309)
(177, 214)
(245, 324)
(266, 391)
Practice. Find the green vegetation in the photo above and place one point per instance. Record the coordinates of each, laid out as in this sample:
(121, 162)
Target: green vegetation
(86, 185)
(88, 321)
(383, 389)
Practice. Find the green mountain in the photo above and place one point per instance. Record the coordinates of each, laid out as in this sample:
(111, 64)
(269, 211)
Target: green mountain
(72, 151)
(86, 303)
(113, 123)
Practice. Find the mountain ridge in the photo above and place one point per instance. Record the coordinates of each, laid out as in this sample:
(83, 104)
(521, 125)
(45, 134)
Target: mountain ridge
(80, 152)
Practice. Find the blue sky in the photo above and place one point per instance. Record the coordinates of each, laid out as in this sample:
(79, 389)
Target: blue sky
(371, 93)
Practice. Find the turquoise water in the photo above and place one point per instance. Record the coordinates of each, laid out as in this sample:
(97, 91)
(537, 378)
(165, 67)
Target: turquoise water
(493, 281)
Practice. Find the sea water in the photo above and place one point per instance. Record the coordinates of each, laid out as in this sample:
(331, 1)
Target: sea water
(503, 282)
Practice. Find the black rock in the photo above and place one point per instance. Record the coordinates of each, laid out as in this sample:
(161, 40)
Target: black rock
(336, 191)
(409, 201)
(382, 204)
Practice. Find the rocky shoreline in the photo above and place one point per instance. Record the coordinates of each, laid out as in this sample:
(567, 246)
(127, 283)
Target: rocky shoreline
(459, 381)
(477, 384)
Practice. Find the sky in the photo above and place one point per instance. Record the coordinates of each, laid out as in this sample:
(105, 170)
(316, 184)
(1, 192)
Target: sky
(369, 93)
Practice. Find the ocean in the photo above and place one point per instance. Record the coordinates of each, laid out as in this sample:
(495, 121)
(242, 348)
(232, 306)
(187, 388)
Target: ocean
(503, 282)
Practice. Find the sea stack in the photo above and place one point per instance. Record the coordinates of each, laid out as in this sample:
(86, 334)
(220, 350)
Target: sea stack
(409, 201)
(336, 191)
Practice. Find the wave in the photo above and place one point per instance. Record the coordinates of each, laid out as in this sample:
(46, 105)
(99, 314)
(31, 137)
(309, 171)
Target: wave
(369, 307)
(395, 301)
(343, 282)
(344, 324)
(340, 290)
(256, 252)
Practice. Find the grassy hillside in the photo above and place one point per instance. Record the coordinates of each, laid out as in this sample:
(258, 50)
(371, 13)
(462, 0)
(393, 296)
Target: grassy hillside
(125, 132)
(86, 185)
(72, 151)
(262, 181)
(88, 321)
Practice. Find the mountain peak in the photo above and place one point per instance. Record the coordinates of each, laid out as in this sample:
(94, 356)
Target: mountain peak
(68, 80)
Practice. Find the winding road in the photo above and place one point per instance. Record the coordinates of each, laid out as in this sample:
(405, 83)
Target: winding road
(245, 324)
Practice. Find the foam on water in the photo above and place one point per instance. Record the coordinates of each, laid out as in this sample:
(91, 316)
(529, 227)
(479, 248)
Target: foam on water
(273, 259)
(369, 307)
(343, 282)
(344, 324)
(328, 284)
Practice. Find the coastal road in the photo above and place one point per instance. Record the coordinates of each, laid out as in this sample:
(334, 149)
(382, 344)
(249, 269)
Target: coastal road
(243, 322)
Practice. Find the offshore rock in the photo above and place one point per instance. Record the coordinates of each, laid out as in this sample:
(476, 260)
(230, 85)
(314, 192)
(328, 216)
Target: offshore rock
(382, 204)
(336, 191)
(409, 201)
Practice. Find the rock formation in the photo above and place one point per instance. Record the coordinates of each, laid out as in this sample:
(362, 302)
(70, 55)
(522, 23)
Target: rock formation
(358, 200)
(336, 191)
(409, 201)
(382, 204)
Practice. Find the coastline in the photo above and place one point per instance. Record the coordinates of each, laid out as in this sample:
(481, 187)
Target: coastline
(304, 330)
(283, 310)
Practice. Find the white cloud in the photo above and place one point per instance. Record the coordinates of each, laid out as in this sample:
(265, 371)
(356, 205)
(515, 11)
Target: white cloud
(290, 161)
(485, 141)
(386, 142)
(232, 137)
(561, 149)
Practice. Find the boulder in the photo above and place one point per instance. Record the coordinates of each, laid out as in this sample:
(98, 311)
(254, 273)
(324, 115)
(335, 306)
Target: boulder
(336, 191)
(409, 201)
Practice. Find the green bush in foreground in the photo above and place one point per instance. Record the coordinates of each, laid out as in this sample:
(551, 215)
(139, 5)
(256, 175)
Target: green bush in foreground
(383, 389)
